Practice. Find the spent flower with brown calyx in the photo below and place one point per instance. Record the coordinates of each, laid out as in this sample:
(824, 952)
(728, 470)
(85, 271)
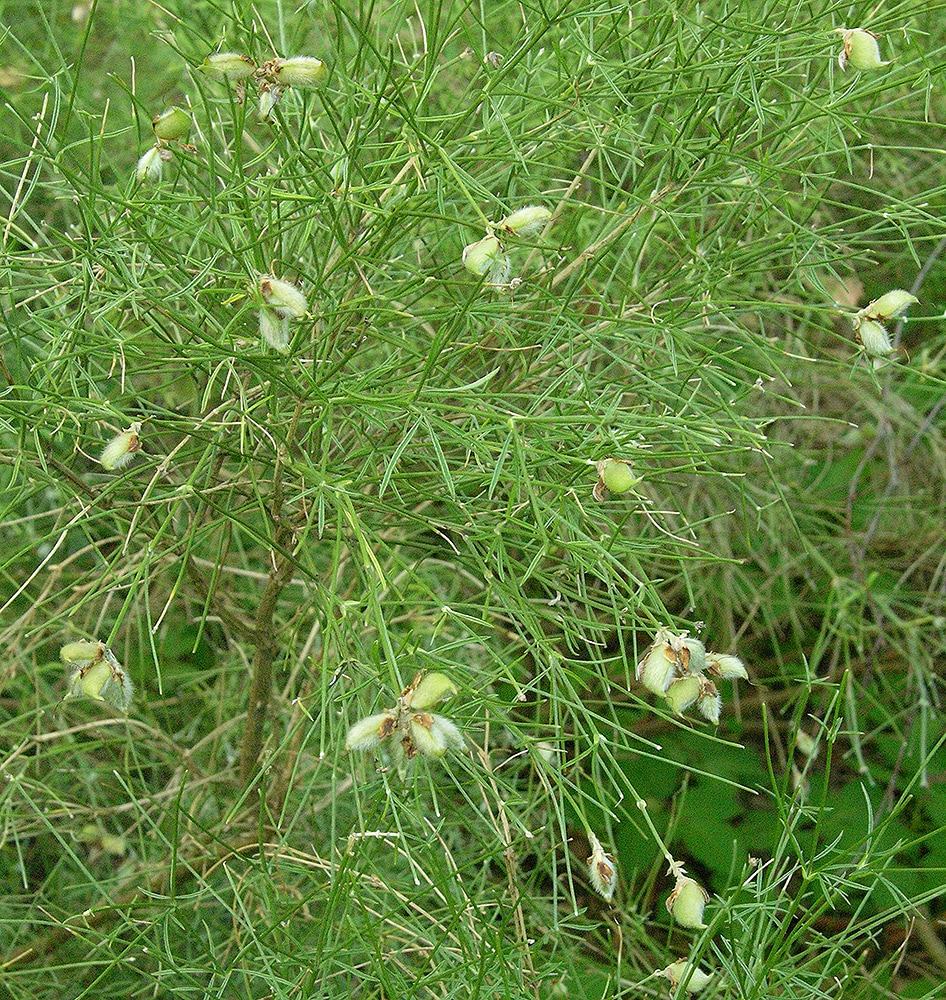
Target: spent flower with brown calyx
(601, 869)
(122, 448)
(94, 672)
(859, 50)
(614, 476)
(408, 729)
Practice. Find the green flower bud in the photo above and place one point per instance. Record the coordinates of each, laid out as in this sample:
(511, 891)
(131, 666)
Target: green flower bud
(888, 306)
(285, 300)
(274, 329)
(601, 869)
(300, 71)
(121, 449)
(679, 971)
(368, 733)
(228, 66)
(528, 221)
(174, 125)
(874, 339)
(429, 689)
(860, 49)
(686, 903)
(682, 693)
(725, 666)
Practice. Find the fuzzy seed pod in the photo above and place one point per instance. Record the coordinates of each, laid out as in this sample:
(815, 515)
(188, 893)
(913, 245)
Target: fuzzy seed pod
(150, 166)
(601, 869)
(228, 66)
(480, 257)
(888, 305)
(121, 449)
(103, 679)
(82, 653)
(300, 71)
(686, 903)
(273, 329)
(285, 300)
(725, 666)
(173, 125)
(424, 737)
(528, 221)
(658, 666)
(874, 339)
(428, 689)
(682, 693)
(709, 704)
(368, 733)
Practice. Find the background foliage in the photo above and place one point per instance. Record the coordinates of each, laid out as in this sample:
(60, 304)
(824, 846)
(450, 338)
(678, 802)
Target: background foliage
(410, 488)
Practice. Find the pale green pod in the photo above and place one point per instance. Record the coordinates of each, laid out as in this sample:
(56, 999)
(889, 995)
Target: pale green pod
(122, 448)
(369, 732)
(888, 305)
(528, 221)
(710, 705)
(617, 475)
(274, 329)
(424, 737)
(861, 50)
(692, 654)
(683, 693)
(300, 71)
(173, 125)
(432, 687)
(446, 733)
(602, 870)
(725, 666)
(480, 257)
(228, 66)
(676, 972)
(687, 902)
(82, 653)
(286, 301)
(657, 667)
(874, 339)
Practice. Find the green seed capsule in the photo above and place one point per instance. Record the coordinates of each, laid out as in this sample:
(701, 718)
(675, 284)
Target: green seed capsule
(228, 66)
(860, 50)
(174, 125)
(300, 71)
